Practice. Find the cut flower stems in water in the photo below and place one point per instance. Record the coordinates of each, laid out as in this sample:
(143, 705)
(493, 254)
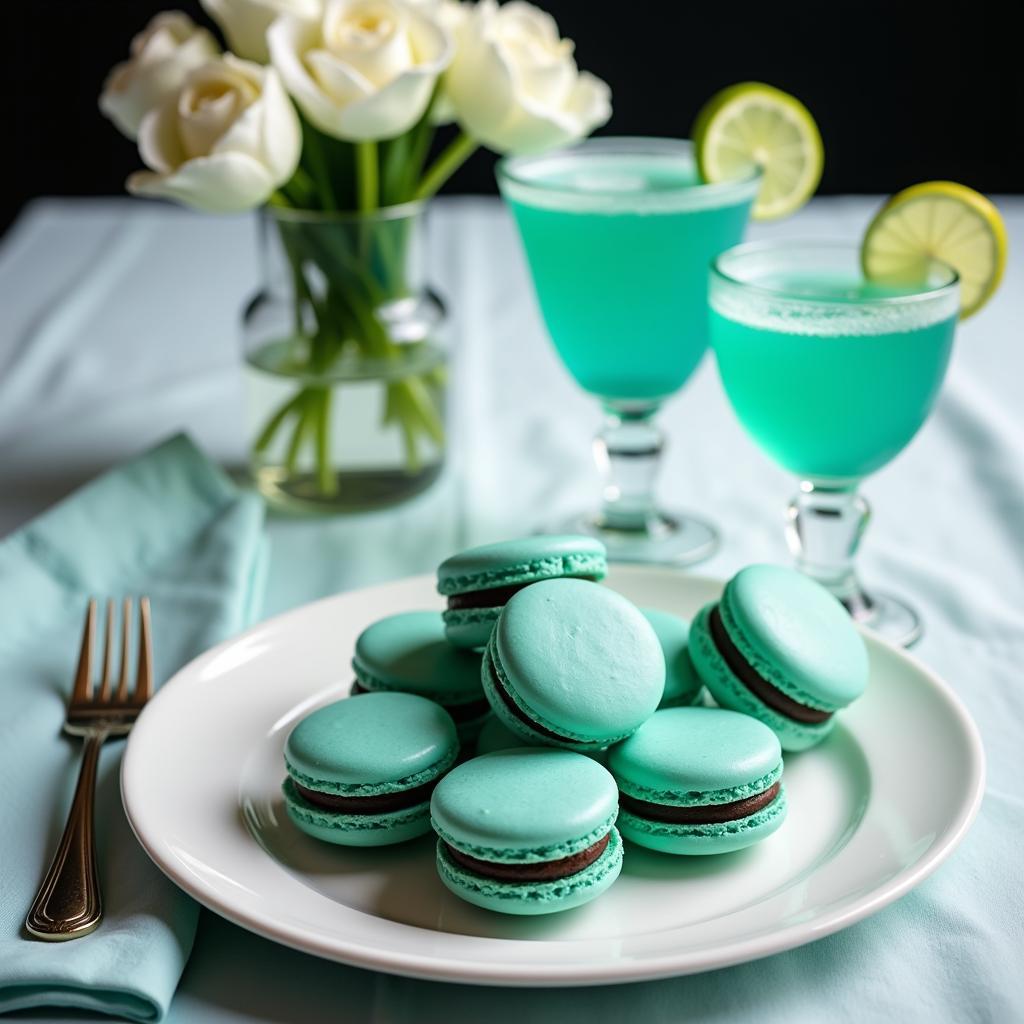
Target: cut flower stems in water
(345, 280)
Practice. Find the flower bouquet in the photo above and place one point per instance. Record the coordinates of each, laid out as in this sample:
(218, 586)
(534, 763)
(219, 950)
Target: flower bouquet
(324, 113)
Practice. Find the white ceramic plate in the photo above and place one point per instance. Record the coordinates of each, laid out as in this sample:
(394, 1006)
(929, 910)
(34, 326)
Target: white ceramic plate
(873, 811)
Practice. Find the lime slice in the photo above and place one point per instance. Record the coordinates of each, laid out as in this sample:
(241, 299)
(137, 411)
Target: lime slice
(753, 125)
(944, 221)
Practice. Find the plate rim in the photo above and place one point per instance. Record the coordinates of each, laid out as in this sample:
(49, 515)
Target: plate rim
(672, 964)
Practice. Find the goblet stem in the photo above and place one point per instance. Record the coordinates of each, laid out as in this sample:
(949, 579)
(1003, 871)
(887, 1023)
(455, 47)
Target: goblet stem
(824, 529)
(628, 453)
(825, 526)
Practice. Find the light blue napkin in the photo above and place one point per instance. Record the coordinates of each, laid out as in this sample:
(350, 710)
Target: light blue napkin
(169, 525)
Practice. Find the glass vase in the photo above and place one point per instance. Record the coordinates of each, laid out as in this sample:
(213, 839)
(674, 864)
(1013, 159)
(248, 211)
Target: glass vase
(346, 370)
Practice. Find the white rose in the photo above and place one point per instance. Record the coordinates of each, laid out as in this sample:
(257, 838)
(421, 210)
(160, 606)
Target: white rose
(245, 22)
(514, 84)
(365, 69)
(224, 142)
(162, 54)
(450, 14)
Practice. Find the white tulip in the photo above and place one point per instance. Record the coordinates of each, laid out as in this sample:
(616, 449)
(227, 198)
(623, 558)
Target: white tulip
(224, 142)
(162, 54)
(514, 84)
(365, 69)
(245, 22)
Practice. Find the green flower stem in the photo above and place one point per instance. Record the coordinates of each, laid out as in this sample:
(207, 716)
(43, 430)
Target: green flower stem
(326, 477)
(313, 150)
(419, 146)
(421, 407)
(362, 270)
(448, 162)
(368, 175)
(302, 424)
(262, 443)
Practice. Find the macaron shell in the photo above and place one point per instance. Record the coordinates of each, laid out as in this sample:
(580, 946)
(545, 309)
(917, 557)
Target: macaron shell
(495, 735)
(796, 635)
(689, 757)
(533, 898)
(525, 805)
(682, 684)
(580, 659)
(409, 653)
(469, 628)
(467, 729)
(524, 560)
(355, 829)
(526, 733)
(371, 744)
(699, 840)
(730, 692)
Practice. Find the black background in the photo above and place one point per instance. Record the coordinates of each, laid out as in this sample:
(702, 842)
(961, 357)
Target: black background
(903, 92)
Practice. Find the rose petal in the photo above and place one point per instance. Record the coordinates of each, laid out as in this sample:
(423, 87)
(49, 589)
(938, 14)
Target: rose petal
(222, 183)
(339, 82)
(159, 143)
(370, 37)
(268, 131)
(514, 84)
(388, 112)
(337, 97)
(162, 56)
(245, 22)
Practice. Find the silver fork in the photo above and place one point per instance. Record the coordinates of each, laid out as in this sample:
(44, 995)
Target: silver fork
(69, 903)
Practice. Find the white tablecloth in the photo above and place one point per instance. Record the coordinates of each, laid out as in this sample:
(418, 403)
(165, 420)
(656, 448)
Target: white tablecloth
(120, 326)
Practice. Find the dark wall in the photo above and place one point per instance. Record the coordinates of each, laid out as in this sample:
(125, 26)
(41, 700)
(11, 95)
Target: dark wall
(902, 91)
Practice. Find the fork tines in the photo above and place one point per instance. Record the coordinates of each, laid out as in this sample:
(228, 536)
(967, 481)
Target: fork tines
(83, 689)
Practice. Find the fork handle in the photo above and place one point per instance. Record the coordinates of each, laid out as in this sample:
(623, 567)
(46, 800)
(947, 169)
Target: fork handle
(68, 903)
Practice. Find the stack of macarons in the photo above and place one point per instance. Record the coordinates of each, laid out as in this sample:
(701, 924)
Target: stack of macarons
(585, 712)
(479, 582)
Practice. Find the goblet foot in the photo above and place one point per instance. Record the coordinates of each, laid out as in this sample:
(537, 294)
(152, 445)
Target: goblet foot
(890, 617)
(663, 537)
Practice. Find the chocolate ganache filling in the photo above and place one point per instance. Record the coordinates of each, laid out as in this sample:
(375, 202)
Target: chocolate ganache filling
(459, 712)
(544, 871)
(755, 682)
(380, 804)
(708, 814)
(497, 597)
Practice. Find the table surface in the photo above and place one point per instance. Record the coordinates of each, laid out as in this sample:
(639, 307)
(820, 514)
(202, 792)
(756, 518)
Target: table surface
(121, 326)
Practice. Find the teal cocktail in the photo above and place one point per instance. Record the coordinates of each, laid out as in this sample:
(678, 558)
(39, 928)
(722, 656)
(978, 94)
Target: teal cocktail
(618, 235)
(832, 375)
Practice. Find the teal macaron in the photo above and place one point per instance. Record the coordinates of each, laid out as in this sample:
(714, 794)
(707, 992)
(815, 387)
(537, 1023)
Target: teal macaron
(780, 647)
(699, 780)
(682, 684)
(527, 831)
(479, 582)
(408, 653)
(496, 735)
(361, 770)
(573, 664)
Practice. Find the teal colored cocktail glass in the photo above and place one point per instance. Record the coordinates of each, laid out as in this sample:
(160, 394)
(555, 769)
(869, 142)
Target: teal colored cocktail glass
(618, 235)
(832, 375)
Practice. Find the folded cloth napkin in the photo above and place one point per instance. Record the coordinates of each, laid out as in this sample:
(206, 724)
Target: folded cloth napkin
(169, 525)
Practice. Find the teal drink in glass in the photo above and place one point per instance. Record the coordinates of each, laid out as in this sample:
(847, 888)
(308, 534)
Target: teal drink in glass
(619, 234)
(832, 375)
